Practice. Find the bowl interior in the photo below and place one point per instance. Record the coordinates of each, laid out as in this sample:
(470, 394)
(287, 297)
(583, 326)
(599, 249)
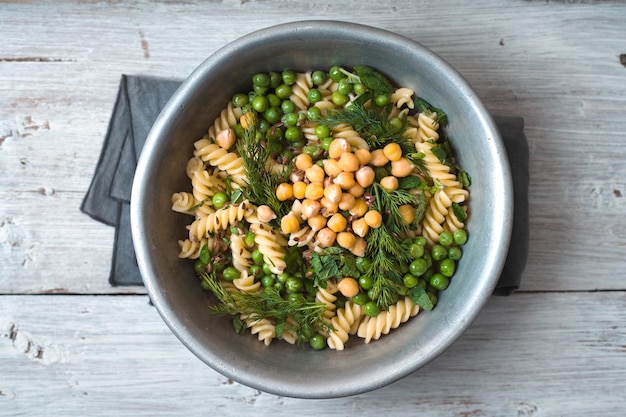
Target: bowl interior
(281, 368)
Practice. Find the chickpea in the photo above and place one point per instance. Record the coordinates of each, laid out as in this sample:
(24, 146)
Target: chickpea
(363, 155)
(346, 240)
(359, 209)
(303, 161)
(309, 208)
(226, 138)
(317, 222)
(315, 173)
(360, 246)
(265, 214)
(284, 191)
(357, 191)
(347, 201)
(401, 168)
(348, 287)
(348, 162)
(392, 151)
(407, 212)
(373, 219)
(333, 193)
(314, 191)
(326, 237)
(389, 182)
(360, 227)
(299, 189)
(379, 159)
(328, 207)
(337, 222)
(365, 176)
(337, 147)
(345, 180)
(289, 223)
(331, 167)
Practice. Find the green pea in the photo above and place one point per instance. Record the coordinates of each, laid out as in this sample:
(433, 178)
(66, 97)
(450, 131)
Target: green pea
(447, 267)
(395, 124)
(345, 87)
(274, 100)
(298, 143)
(433, 298)
(293, 284)
(438, 252)
(445, 238)
(240, 100)
(460, 236)
(219, 199)
(416, 251)
(318, 77)
(371, 309)
(261, 80)
(260, 103)
(288, 107)
(230, 273)
(239, 130)
(267, 281)
(410, 280)
(418, 267)
(314, 95)
(283, 91)
(363, 264)
(359, 88)
(455, 253)
(258, 90)
(326, 143)
(313, 151)
(360, 299)
(275, 79)
(282, 277)
(317, 342)
(249, 238)
(264, 125)
(322, 131)
(289, 77)
(273, 114)
(278, 286)
(255, 270)
(293, 133)
(339, 99)
(439, 281)
(199, 266)
(336, 74)
(314, 113)
(382, 100)
(267, 269)
(366, 282)
(290, 119)
(257, 257)
(420, 240)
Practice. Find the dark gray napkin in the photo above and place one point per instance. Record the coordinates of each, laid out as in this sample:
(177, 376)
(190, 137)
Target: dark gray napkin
(139, 102)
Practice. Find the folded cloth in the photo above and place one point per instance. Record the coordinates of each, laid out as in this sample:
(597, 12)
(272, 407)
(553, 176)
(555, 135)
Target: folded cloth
(139, 102)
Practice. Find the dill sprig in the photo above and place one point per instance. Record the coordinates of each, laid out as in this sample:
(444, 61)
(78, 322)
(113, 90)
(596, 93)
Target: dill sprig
(385, 247)
(267, 304)
(262, 182)
(372, 123)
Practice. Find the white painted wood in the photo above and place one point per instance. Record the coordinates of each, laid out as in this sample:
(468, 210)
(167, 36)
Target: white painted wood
(559, 354)
(555, 63)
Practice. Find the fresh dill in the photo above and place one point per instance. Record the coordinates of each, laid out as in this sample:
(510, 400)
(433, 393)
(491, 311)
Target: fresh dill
(262, 181)
(295, 315)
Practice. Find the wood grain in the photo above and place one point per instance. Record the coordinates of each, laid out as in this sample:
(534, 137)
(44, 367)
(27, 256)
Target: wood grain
(70, 344)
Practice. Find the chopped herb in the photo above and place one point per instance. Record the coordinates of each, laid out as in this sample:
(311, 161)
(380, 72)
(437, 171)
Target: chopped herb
(373, 80)
(425, 107)
(205, 254)
(332, 262)
(420, 297)
(458, 211)
(409, 182)
(439, 152)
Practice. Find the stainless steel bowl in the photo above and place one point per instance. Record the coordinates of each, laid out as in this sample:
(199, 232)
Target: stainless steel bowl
(281, 368)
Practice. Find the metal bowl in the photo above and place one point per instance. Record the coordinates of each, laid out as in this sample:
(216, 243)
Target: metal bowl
(281, 368)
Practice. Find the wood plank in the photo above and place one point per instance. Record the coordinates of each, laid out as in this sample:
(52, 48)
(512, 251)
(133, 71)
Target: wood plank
(539, 60)
(112, 355)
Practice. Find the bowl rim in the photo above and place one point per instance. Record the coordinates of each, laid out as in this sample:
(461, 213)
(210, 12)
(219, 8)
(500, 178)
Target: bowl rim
(177, 101)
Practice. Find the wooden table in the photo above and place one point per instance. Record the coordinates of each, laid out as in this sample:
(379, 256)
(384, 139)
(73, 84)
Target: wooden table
(70, 344)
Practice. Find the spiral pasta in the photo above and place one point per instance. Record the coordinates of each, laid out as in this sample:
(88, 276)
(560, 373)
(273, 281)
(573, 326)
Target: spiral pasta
(326, 296)
(221, 219)
(205, 184)
(348, 133)
(228, 117)
(219, 157)
(435, 216)
(343, 325)
(272, 245)
(190, 248)
(246, 283)
(403, 97)
(263, 328)
(300, 90)
(372, 328)
(428, 127)
(242, 258)
(183, 202)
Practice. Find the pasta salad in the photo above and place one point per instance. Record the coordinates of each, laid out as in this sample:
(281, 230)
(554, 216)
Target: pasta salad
(324, 205)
